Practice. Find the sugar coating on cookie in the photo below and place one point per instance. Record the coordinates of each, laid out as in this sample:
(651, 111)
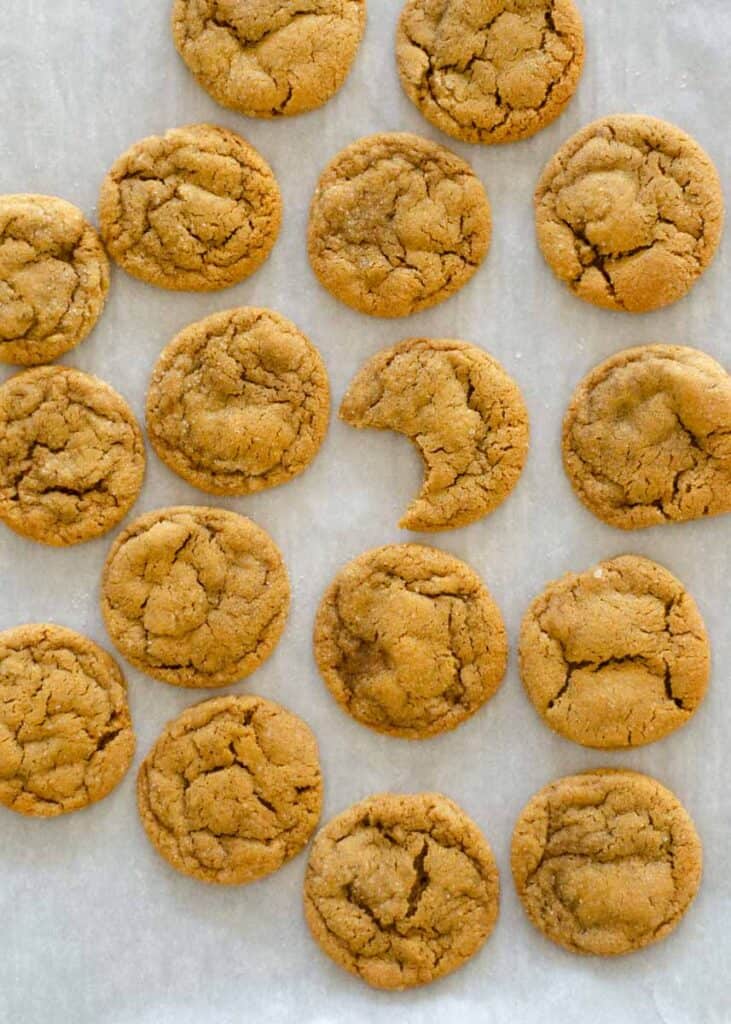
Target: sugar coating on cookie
(269, 59)
(401, 890)
(196, 209)
(605, 862)
(232, 789)
(464, 414)
(66, 737)
(72, 457)
(646, 438)
(397, 224)
(629, 213)
(195, 596)
(495, 72)
(238, 402)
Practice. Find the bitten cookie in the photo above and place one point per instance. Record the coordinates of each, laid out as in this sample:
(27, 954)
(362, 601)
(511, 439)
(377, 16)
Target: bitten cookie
(464, 414)
(238, 402)
(66, 737)
(232, 789)
(195, 596)
(647, 437)
(409, 641)
(401, 890)
(605, 862)
(196, 209)
(397, 224)
(629, 213)
(490, 72)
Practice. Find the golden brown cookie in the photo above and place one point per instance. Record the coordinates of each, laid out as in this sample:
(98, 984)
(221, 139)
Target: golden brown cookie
(66, 737)
(397, 224)
(232, 789)
(54, 278)
(196, 209)
(629, 213)
(464, 414)
(605, 862)
(238, 402)
(647, 437)
(409, 640)
(72, 458)
(269, 59)
(195, 596)
(490, 72)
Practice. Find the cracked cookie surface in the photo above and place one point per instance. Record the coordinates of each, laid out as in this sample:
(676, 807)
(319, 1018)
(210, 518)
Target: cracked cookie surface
(54, 278)
(272, 58)
(196, 209)
(401, 890)
(490, 72)
(238, 402)
(397, 224)
(647, 437)
(195, 596)
(72, 458)
(605, 862)
(66, 737)
(232, 789)
(464, 414)
(629, 213)
(409, 641)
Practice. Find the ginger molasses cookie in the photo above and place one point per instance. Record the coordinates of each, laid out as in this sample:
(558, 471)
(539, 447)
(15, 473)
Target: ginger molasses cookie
(646, 437)
(629, 213)
(238, 402)
(196, 209)
(494, 72)
(465, 415)
(605, 862)
(195, 596)
(72, 458)
(397, 224)
(232, 789)
(66, 736)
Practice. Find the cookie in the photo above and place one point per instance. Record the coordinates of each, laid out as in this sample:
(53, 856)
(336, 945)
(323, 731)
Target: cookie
(646, 438)
(72, 458)
(270, 59)
(629, 213)
(409, 641)
(66, 737)
(494, 72)
(401, 890)
(196, 209)
(605, 862)
(54, 278)
(397, 224)
(195, 597)
(464, 414)
(238, 402)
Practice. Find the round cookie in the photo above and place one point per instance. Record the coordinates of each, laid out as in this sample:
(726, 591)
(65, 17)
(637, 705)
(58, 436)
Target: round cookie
(617, 656)
(54, 278)
(409, 641)
(629, 213)
(72, 458)
(194, 596)
(270, 59)
(494, 72)
(238, 402)
(196, 209)
(646, 437)
(66, 737)
(397, 224)
(464, 414)
(605, 862)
